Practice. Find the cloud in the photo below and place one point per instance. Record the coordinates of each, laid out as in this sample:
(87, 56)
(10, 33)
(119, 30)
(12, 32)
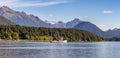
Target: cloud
(20, 3)
(107, 12)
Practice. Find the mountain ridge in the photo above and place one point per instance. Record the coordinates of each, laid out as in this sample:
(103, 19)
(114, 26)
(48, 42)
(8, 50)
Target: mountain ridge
(21, 18)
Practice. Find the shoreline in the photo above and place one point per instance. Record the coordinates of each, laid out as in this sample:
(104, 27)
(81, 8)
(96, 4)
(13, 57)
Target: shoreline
(48, 41)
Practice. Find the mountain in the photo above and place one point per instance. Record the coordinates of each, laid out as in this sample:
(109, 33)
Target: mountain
(22, 18)
(72, 23)
(59, 24)
(92, 28)
(4, 21)
(69, 24)
(115, 32)
(89, 27)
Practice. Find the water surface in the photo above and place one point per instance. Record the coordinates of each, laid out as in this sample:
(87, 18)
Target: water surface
(59, 50)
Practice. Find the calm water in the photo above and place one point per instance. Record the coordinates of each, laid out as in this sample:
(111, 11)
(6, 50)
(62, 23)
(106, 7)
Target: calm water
(59, 50)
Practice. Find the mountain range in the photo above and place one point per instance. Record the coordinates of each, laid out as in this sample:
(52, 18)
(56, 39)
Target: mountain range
(21, 18)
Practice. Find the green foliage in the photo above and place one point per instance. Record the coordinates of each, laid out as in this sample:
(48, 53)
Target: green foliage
(16, 32)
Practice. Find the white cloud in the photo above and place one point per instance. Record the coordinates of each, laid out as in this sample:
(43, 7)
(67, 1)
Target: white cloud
(107, 12)
(19, 3)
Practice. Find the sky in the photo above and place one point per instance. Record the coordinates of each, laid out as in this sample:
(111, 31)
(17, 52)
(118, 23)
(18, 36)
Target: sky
(103, 13)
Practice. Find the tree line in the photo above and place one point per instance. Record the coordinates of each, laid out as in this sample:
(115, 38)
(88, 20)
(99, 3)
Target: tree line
(16, 32)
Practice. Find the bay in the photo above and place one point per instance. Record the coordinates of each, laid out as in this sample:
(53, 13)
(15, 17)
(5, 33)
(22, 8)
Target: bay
(59, 50)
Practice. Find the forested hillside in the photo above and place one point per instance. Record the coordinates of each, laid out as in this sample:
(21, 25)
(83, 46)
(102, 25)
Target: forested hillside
(16, 32)
(4, 21)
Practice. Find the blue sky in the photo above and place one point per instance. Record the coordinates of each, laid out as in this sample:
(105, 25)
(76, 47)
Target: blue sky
(103, 13)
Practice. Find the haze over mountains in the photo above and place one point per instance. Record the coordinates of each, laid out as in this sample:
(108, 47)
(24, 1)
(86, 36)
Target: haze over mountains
(21, 18)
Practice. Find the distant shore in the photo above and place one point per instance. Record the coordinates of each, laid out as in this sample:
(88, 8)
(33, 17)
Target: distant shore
(41, 41)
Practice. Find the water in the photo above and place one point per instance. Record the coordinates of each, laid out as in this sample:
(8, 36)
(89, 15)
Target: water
(59, 50)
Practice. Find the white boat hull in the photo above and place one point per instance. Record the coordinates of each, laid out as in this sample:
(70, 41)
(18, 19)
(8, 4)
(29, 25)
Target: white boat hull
(64, 41)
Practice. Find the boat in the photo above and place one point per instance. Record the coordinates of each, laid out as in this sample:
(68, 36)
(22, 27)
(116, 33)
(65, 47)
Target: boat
(63, 41)
(59, 41)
